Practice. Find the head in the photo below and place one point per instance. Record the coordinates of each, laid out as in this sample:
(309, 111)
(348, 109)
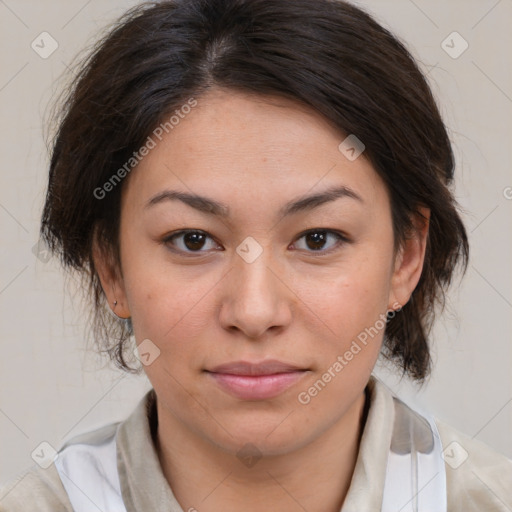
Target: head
(193, 179)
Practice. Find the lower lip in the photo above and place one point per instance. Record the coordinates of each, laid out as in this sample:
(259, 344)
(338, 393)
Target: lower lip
(256, 387)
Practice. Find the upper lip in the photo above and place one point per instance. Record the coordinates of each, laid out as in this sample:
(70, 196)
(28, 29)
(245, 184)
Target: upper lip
(269, 367)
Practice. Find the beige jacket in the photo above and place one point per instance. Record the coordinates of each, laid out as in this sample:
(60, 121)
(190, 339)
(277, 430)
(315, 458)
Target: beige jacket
(477, 478)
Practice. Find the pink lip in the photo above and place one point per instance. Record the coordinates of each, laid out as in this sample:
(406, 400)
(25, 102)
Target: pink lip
(256, 381)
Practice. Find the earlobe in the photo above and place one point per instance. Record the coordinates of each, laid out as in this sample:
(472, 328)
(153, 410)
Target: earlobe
(111, 281)
(409, 261)
(118, 308)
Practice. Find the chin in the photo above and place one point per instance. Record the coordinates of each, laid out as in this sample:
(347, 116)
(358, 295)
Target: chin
(272, 438)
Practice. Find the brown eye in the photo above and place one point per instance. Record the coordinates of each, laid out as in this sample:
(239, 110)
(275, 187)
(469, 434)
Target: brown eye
(194, 241)
(318, 240)
(188, 241)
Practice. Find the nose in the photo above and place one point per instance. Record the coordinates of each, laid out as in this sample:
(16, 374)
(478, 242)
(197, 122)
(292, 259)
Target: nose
(256, 297)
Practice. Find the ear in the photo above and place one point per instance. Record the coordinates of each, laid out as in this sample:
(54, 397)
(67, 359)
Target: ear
(409, 259)
(111, 279)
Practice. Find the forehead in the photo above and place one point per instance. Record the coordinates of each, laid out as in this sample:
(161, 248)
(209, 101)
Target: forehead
(244, 149)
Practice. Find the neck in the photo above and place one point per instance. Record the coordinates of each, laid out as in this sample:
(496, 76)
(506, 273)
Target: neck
(315, 477)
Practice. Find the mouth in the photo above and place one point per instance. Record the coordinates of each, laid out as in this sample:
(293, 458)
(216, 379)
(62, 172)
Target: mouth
(256, 381)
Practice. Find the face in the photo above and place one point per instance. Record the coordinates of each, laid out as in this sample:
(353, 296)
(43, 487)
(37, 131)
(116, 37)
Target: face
(263, 274)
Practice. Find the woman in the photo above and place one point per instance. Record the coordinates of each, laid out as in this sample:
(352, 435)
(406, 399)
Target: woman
(258, 190)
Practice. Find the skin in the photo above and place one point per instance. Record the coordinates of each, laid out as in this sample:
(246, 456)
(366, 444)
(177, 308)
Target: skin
(209, 307)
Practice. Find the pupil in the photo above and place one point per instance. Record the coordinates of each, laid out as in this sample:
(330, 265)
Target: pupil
(317, 238)
(194, 240)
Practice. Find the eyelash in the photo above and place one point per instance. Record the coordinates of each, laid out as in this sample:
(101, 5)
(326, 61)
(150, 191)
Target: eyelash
(342, 239)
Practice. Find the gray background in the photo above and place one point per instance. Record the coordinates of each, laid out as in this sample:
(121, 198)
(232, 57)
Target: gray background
(52, 387)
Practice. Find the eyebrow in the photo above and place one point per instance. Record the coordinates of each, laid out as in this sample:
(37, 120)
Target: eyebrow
(215, 208)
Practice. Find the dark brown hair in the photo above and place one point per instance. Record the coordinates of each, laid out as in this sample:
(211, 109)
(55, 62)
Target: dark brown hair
(327, 54)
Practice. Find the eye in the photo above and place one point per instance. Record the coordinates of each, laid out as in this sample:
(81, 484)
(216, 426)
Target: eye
(196, 241)
(316, 240)
(191, 241)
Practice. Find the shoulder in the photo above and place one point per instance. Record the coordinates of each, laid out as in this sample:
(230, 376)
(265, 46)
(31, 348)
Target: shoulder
(41, 488)
(477, 477)
(35, 489)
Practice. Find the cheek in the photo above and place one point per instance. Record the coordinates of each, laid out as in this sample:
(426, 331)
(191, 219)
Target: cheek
(351, 317)
(167, 308)
(351, 299)
(169, 305)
